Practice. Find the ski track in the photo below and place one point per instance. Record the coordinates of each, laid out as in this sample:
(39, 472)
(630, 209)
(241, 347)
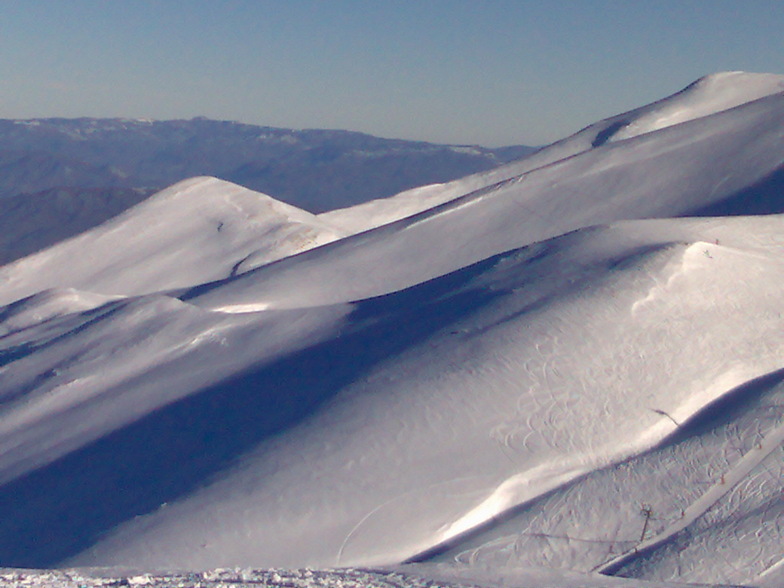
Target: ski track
(382, 506)
(699, 507)
(762, 579)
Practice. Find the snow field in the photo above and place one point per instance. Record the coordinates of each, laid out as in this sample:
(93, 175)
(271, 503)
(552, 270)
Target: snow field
(512, 376)
(720, 470)
(404, 577)
(532, 425)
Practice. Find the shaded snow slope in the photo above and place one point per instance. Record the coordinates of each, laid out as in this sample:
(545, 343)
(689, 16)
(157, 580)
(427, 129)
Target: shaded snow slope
(197, 230)
(706, 96)
(100, 367)
(672, 172)
(367, 433)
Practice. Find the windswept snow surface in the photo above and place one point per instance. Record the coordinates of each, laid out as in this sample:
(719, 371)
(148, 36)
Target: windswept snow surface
(198, 230)
(732, 155)
(444, 406)
(708, 95)
(503, 382)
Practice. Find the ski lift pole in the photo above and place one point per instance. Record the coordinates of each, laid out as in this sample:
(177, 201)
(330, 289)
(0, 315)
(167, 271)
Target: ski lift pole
(647, 512)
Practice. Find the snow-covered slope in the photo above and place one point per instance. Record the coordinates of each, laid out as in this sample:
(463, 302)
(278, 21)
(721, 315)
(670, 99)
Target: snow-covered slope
(469, 395)
(508, 379)
(198, 230)
(732, 155)
(708, 95)
(404, 577)
(442, 406)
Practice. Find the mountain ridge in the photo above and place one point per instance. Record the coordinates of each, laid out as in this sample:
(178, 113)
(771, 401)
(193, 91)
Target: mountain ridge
(709, 95)
(548, 370)
(151, 155)
(707, 165)
(93, 169)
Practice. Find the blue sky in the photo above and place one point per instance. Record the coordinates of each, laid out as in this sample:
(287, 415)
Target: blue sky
(490, 72)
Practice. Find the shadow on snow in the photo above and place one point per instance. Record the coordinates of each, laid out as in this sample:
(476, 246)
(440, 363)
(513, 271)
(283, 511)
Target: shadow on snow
(63, 508)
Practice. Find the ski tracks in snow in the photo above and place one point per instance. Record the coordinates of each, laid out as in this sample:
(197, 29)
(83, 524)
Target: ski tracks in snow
(705, 502)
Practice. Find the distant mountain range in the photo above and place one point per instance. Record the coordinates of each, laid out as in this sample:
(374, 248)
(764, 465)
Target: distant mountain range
(64, 176)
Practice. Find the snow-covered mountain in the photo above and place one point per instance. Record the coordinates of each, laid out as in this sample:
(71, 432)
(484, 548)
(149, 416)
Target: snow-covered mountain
(709, 95)
(537, 368)
(59, 177)
(196, 231)
(734, 156)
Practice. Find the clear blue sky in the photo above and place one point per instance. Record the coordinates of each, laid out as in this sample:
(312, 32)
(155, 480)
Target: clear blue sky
(490, 72)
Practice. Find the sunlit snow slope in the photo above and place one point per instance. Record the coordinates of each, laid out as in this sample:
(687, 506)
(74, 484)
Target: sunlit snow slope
(517, 377)
(731, 160)
(197, 230)
(706, 96)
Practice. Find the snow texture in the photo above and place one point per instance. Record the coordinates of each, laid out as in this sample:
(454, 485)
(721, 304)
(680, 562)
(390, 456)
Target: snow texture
(408, 577)
(536, 376)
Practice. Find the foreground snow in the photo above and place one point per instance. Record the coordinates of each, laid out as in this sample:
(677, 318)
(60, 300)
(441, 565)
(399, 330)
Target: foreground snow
(448, 405)
(471, 384)
(408, 577)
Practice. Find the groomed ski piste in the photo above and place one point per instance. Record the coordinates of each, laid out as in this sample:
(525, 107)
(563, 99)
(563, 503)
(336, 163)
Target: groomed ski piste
(568, 372)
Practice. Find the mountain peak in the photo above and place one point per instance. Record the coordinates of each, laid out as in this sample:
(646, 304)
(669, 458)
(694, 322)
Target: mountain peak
(200, 229)
(706, 96)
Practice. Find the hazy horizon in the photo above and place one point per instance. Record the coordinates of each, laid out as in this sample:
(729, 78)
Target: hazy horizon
(448, 71)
